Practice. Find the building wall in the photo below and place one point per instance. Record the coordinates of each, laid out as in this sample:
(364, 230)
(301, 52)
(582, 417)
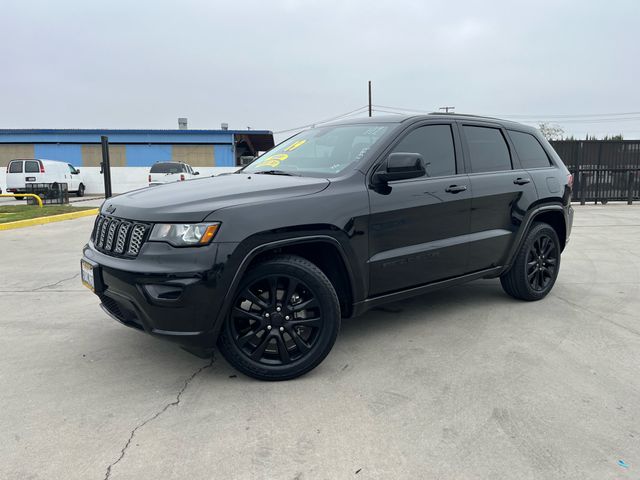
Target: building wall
(92, 155)
(64, 152)
(195, 155)
(9, 151)
(139, 155)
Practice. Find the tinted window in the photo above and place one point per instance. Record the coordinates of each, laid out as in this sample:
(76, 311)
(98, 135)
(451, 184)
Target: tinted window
(166, 168)
(31, 166)
(487, 149)
(435, 144)
(15, 167)
(529, 150)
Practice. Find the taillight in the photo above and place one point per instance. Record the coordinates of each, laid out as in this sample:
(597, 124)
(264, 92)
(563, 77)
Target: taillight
(41, 167)
(149, 178)
(182, 177)
(570, 180)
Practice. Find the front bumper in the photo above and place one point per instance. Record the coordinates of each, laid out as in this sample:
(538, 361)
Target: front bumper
(176, 294)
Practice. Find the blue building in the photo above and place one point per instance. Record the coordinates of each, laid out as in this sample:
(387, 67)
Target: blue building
(136, 148)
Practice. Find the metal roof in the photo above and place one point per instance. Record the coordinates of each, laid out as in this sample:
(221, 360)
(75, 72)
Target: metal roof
(106, 131)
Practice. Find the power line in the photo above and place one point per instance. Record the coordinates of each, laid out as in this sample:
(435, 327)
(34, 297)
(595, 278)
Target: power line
(536, 117)
(302, 127)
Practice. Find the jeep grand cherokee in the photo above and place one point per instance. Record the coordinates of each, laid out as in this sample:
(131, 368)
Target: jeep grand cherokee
(266, 262)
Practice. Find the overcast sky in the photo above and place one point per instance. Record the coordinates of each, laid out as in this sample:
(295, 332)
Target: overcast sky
(284, 63)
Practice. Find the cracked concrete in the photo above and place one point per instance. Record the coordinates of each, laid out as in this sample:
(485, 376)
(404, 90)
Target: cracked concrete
(175, 403)
(464, 383)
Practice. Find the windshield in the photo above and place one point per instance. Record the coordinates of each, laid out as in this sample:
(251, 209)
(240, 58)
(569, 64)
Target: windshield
(323, 151)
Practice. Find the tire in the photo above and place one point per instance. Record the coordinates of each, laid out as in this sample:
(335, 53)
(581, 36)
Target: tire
(534, 272)
(80, 192)
(19, 198)
(283, 321)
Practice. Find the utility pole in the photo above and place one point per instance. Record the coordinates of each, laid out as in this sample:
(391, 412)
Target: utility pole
(446, 109)
(370, 110)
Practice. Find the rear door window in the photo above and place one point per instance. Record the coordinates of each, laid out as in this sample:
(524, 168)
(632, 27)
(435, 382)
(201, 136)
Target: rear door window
(529, 150)
(15, 167)
(31, 166)
(435, 144)
(488, 150)
(166, 168)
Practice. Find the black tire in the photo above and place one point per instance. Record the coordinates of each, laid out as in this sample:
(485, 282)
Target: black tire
(536, 266)
(80, 192)
(19, 198)
(283, 321)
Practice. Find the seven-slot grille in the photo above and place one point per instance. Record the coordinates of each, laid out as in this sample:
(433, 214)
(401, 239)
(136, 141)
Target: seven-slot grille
(115, 236)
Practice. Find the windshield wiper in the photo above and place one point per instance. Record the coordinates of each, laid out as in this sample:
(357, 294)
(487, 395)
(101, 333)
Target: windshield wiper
(276, 172)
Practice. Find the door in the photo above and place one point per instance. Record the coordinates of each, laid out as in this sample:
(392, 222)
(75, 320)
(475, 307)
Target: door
(15, 175)
(32, 172)
(502, 194)
(73, 178)
(418, 227)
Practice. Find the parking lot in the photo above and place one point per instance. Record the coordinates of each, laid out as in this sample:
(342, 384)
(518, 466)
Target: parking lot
(462, 383)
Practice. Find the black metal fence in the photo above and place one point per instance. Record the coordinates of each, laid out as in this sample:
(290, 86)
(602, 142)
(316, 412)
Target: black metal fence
(603, 170)
(49, 193)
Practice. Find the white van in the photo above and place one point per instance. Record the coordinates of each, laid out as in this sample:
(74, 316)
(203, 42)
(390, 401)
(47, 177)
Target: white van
(34, 170)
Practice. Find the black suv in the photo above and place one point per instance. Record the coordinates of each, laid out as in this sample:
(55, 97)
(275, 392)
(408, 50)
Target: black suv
(266, 262)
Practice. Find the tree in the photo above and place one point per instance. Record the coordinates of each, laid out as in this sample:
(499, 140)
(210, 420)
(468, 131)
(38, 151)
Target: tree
(551, 132)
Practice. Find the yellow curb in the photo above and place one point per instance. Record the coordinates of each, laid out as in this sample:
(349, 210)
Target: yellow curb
(53, 218)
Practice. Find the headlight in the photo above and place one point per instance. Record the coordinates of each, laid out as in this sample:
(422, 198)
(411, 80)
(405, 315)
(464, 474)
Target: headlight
(184, 235)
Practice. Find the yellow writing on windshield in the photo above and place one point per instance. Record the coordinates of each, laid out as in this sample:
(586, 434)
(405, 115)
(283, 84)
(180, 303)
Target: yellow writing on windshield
(273, 160)
(294, 145)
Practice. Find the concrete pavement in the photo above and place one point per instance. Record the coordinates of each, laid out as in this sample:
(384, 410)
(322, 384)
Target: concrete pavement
(462, 383)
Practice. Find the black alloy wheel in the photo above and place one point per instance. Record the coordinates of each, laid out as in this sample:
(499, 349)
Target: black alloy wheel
(535, 267)
(283, 320)
(542, 260)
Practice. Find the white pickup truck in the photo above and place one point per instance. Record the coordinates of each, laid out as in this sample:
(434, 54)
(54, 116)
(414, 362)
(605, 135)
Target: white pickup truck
(168, 172)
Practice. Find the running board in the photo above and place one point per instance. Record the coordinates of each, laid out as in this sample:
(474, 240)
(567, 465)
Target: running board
(361, 307)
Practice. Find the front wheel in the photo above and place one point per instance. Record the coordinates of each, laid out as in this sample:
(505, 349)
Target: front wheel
(283, 322)
(80, 192)
(535, 268)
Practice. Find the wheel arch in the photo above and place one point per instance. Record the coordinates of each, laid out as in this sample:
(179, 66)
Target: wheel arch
(550, 214)
(324, 251)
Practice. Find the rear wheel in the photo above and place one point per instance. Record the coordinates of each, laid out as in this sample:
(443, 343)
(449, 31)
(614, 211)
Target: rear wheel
(283, 322)
(535, 268)
(19, 198)
(80, 192)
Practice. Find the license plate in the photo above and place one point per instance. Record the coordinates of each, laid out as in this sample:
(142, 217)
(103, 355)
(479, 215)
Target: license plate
(86, 273)
(31, 179)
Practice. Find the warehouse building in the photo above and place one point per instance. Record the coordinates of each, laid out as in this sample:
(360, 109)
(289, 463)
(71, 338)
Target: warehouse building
(135, 148)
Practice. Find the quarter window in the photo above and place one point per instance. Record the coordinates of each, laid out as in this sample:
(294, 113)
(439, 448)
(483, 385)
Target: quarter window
(529, 150)
(488, 150)
(31, 166)
(15, 167)
(435, 144)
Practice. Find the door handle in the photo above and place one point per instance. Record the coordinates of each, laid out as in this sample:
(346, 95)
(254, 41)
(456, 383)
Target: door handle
(455, 188)
(521, 181)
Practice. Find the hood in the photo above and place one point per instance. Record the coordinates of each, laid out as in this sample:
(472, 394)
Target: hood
(193, 200)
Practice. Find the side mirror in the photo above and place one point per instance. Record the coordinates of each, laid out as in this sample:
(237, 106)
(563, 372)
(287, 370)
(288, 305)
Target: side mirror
(77, 171)
(400, 166)
(196, 173)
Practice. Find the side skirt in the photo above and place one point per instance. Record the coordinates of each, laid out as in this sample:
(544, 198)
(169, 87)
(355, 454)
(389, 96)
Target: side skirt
(361, 307)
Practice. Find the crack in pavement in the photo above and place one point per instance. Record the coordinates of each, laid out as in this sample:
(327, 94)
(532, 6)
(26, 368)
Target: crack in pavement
(50, 285)
(56, 283)
(175, 403)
